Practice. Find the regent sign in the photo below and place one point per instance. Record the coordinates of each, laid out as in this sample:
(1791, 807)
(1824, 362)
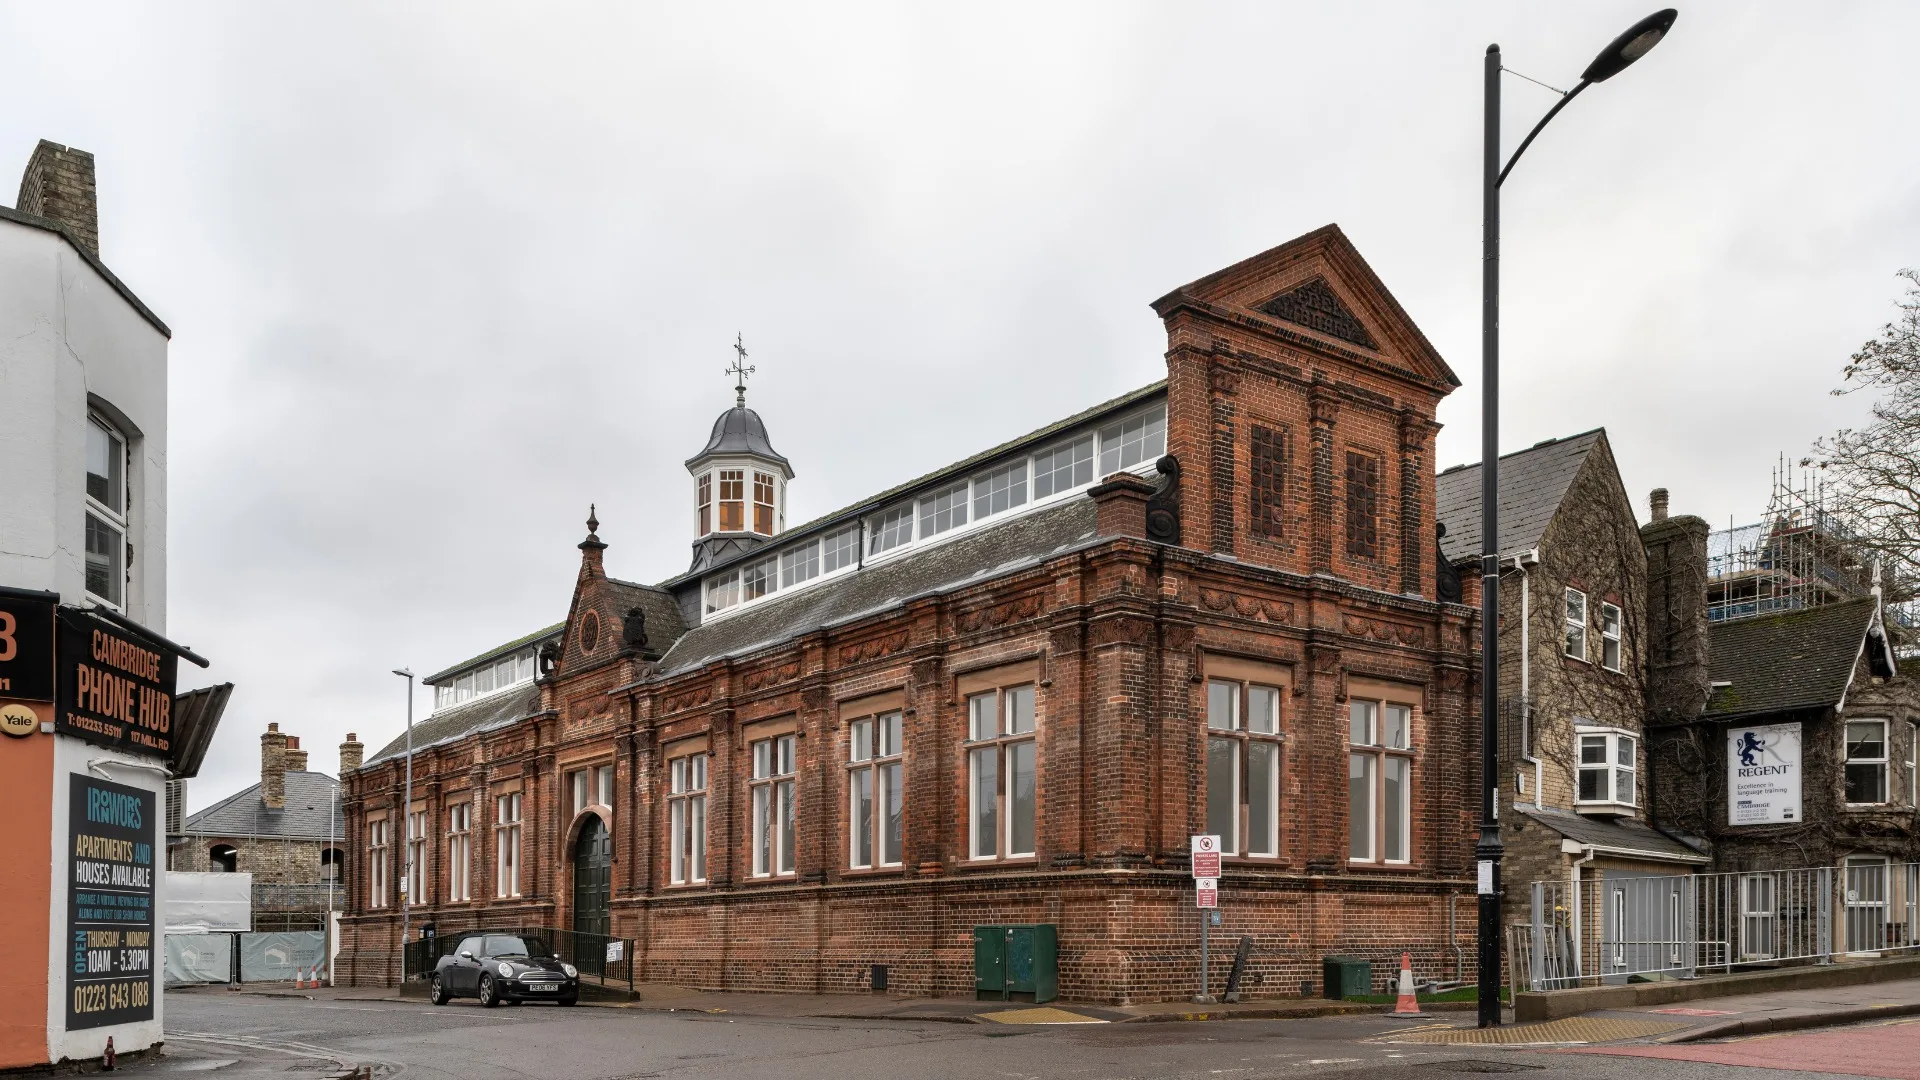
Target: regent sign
(1763, 775)
(115, 689)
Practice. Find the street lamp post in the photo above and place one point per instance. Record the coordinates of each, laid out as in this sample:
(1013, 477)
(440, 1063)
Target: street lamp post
(1622, 51)
(406, 841)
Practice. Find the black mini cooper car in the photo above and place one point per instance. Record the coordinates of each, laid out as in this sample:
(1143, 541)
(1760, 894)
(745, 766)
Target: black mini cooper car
(504, 967)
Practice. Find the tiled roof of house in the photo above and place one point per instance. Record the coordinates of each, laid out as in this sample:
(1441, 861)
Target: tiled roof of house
(1793, 660)
(664, 624)
(481, 714)
(312, 812)
(1532, 483)
(987, 553)
(1624, 835)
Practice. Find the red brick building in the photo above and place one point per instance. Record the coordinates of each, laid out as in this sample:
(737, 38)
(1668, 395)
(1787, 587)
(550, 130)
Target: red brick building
(1006, 692)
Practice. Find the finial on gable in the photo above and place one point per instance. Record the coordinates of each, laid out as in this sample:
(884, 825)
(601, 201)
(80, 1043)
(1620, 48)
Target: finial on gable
(592, 543)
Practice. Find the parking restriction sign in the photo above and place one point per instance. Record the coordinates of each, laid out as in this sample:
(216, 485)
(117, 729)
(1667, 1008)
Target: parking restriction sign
(1206, 892)
(1206, 856)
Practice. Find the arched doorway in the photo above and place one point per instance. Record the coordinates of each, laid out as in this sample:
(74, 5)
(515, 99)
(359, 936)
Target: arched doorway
(592, 882)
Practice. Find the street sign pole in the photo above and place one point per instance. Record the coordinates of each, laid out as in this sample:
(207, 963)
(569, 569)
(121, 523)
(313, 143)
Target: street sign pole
(1205, 860)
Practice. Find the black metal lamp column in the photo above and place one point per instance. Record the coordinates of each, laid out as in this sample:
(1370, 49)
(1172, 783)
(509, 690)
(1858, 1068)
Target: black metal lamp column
(1623, 50)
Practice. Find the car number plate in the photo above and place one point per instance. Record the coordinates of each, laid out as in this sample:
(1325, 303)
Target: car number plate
(541, 987)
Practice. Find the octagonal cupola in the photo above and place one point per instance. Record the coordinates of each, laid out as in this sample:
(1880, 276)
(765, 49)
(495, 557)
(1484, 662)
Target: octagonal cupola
(739, 480)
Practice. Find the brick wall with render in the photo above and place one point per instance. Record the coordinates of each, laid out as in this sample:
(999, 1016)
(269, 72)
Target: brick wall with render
(1117, 640)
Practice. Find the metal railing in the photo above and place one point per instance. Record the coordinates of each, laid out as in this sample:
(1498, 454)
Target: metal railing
(588, 953)
(1613, 926)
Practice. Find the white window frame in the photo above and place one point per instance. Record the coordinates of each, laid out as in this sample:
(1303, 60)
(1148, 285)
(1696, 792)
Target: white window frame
(1913, 763)
(703, 500)
(771, 483)
(1757, 918)
(799, 564)
(1132, 440)
(379, 833)
(891, 529)
(1619, 927)
(1611, 650)
(1076, 465)
(687, 819)
(1611, 740)
(1575, 642)
(418, 825)
(114, 522)
(876, 778)
(1231, 721)
(995, 734)
(943, 511)
(744, 500)
(770, 802)
(1371, 743)
(1849, 761)
(1006, 485)
(848, 554)
(507, 849)
(460, 851)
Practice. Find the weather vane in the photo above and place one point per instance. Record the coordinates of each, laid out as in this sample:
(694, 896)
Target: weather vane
(740, 370)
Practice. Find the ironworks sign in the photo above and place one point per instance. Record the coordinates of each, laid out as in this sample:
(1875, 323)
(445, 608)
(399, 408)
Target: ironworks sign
(115, 688)
(26, 663)
(111, 830)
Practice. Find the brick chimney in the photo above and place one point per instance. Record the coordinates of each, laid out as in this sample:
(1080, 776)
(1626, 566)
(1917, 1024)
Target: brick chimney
(1676, 614)
(58, 184)
(273, 768)
(352, 753)
(1120, 505)
(1657, 503)
(296, 757)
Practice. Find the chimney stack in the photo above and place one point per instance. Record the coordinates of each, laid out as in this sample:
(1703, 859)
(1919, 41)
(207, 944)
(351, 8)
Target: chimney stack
(273, 768)
(352, 752)
(1658, 500)
(58, 184)
(296, 757)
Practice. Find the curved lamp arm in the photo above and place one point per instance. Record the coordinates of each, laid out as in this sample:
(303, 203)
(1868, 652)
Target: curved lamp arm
(1528, 141)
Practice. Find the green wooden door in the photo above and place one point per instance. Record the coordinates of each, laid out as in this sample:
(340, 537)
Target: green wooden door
(592, 889)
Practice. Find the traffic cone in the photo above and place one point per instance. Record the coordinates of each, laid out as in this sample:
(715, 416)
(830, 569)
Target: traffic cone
(1406, 1006)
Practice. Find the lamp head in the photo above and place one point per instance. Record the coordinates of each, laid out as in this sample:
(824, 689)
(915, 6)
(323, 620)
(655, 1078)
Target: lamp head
(1630, 46)
(405, 673)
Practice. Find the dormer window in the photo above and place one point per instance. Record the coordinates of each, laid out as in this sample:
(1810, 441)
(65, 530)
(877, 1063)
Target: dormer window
(891, 529)
(733, 495)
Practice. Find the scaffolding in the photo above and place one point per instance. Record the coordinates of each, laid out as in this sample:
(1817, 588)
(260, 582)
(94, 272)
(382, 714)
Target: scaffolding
(1798, 556)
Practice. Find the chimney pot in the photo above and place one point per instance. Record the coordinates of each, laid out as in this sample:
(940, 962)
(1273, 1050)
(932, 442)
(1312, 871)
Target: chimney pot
(1658, 500)
(58, 185)
(352, 753)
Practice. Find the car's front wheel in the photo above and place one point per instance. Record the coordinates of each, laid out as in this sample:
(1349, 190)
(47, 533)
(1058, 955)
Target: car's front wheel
(438, 994)
(489, 996)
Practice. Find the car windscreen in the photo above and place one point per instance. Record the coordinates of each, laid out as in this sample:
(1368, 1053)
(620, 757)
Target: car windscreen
(510, 945)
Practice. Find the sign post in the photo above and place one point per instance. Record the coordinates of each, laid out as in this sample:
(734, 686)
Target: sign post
(1205, 858)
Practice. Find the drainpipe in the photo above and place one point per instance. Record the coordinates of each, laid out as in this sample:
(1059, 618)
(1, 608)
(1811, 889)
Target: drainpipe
(1579, 923)
(1522, 562)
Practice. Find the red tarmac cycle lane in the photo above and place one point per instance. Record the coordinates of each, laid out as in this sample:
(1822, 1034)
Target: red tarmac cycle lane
(1888, 1048)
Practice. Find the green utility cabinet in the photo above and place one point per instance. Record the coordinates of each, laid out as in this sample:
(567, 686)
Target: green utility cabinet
(1016, 962)
(1342, 977)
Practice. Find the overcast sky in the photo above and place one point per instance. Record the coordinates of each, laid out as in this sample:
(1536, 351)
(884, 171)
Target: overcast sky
(441, 275)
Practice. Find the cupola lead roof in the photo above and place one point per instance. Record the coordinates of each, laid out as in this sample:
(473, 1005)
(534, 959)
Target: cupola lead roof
(740, 430)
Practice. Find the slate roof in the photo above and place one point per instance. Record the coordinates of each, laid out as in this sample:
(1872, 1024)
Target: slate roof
(1793, 660)
(988, 553)
(664, 623)
(740, 430)
(1532, 483)
(312, 812)
(494, 653)
(481, 714)
(1619, 835)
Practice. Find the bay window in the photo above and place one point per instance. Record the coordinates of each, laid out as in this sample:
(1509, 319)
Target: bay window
(874, 791)
(771, 793)
(1609, 766)
(1379, 781)
(1243, 766)
(687, 819)
(1002, 787)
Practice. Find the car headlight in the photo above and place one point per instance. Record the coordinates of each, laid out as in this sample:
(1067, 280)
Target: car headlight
(506, 971)
(572, 972)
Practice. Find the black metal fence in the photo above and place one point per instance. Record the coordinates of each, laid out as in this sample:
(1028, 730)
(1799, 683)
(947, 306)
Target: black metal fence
(602, 961)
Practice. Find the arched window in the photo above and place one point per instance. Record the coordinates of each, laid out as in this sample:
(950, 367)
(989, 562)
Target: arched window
(223, 859)
(331, 860)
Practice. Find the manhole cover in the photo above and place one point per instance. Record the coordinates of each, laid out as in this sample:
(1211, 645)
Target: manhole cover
(1468, 1065)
